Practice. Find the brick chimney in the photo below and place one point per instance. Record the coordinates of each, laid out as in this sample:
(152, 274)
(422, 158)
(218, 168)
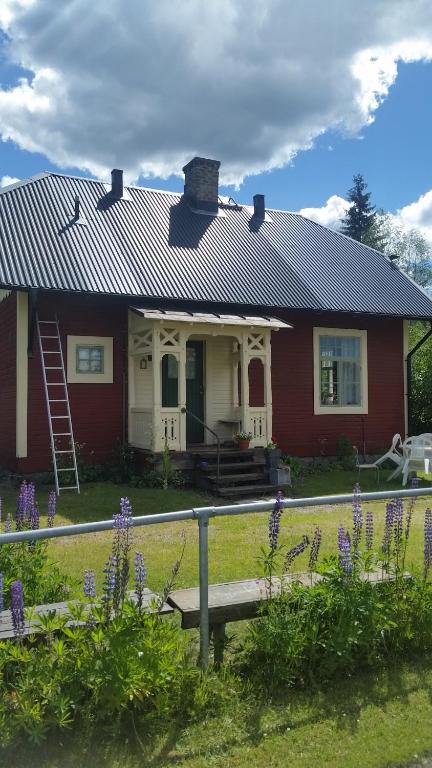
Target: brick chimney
(201, 187)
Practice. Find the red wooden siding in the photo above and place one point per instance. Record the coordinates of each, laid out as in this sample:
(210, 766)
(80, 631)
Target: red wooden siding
(295, 427)
(8, 381)
(97, 409)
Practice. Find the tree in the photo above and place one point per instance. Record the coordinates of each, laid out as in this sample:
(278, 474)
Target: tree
(413, 251)
(359, 221)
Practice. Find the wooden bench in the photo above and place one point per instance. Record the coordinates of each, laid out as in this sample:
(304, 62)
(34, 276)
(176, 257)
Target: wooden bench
(239, 600)
(230, 601)
(32, 626)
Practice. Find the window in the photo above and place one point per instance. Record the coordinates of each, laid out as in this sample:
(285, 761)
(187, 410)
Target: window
(90, 359)
(169, 381)
(340, 371)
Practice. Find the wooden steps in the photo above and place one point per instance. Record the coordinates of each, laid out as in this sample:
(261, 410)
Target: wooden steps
(241, 473)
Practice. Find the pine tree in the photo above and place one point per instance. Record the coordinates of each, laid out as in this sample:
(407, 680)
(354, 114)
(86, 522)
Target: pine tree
(359, 219)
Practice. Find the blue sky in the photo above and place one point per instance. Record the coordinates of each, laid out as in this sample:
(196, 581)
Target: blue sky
(351, 97)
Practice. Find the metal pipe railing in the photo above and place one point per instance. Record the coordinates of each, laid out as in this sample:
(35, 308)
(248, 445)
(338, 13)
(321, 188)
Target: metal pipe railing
(203, 515)
(209, 429)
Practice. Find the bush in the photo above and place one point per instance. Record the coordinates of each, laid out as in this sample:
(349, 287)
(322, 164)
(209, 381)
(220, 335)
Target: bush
(87, 674)
(28, 561)
(345, 452)
(337, 627)
(345, 621)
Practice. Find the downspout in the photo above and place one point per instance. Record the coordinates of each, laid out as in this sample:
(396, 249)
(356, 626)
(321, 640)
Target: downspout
(409, 358)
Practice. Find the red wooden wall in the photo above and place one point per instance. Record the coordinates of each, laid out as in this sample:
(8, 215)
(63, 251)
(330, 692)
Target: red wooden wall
(8, 381)
(295, 427)
(97, 409)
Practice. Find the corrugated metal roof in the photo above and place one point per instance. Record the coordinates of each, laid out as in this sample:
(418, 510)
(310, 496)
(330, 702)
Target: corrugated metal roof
(154, 246)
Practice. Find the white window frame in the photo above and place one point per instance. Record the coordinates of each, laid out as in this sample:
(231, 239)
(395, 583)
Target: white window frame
(320, 409)
(75, 377)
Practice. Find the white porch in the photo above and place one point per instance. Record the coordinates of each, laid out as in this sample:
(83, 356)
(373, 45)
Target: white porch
(180, 360)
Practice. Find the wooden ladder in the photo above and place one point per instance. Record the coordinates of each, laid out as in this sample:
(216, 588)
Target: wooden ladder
(57, 400)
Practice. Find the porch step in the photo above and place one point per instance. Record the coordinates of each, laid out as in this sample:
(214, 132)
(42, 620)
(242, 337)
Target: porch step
(226, 466)
(239, 478)
(225, 453)
(246, 490)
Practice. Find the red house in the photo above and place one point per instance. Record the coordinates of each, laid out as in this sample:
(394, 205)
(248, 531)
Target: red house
(245, 317)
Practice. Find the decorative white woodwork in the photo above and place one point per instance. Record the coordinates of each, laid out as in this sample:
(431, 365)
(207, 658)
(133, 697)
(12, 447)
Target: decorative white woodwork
(169, 432)
(141, 428)
(258, 426)
(150, 338)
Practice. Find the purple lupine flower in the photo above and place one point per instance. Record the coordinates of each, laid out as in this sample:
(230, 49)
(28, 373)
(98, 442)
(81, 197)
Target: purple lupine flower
(8, 524)
(34, 517)
(29, 503)
(357, 517)
(388, 527)
(140, 578)
(344, 547)
(427, 541)
(315, 548)
(109, 584)
(52, 507)
(369, 530)
(17, 608)
(415, 482)
(274, 521)
(21, 506)
(398, 524)
(295, 552)
(1, 594)
(89, 584)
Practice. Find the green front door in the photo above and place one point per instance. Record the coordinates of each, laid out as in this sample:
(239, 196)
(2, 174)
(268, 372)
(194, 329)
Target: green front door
(194, 391)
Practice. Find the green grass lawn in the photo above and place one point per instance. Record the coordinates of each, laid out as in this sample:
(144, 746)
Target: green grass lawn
(234, 542)
(370, 721)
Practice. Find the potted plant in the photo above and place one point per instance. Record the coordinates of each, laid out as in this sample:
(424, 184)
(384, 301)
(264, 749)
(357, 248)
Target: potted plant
(272, 454)
(243, 439)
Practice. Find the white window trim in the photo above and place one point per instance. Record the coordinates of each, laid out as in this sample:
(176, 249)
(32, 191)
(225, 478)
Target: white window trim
(73, 376)
(344, 409)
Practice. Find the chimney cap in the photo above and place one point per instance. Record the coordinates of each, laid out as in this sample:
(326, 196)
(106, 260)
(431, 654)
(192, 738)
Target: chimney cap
(201, 161)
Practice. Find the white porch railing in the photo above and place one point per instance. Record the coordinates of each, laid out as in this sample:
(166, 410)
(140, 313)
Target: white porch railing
(170, 428)
(141, 428)
(258, 426)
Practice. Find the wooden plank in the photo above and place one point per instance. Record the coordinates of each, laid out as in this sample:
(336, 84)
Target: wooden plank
(238, 600)
(231, 601)
(32, 626)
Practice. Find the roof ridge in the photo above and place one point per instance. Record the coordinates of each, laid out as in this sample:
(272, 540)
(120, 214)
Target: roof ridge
(24, 182)
(106, 181)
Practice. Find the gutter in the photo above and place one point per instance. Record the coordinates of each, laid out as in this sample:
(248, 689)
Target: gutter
(409, 358)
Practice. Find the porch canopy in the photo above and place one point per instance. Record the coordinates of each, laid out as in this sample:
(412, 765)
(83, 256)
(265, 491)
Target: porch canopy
(200, 362)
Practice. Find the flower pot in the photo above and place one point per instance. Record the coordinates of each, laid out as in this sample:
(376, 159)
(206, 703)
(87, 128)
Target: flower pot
(272, 457)
(243, 445)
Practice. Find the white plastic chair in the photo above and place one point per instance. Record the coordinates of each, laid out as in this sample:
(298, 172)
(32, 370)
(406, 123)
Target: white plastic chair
(393, 454)
(360, 466)
(417, 454)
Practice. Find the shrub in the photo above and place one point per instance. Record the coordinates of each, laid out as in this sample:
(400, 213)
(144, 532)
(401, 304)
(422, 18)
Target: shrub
(42, 580)
(364, 610)
(345, 452)
(104, 659)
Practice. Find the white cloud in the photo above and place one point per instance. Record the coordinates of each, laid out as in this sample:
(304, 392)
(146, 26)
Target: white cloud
(418, 215)
(6, 180)
(147, 85)
(329, 214)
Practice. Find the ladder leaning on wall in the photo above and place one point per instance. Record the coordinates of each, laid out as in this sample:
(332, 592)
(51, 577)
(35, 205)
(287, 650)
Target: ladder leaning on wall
(57, 401)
